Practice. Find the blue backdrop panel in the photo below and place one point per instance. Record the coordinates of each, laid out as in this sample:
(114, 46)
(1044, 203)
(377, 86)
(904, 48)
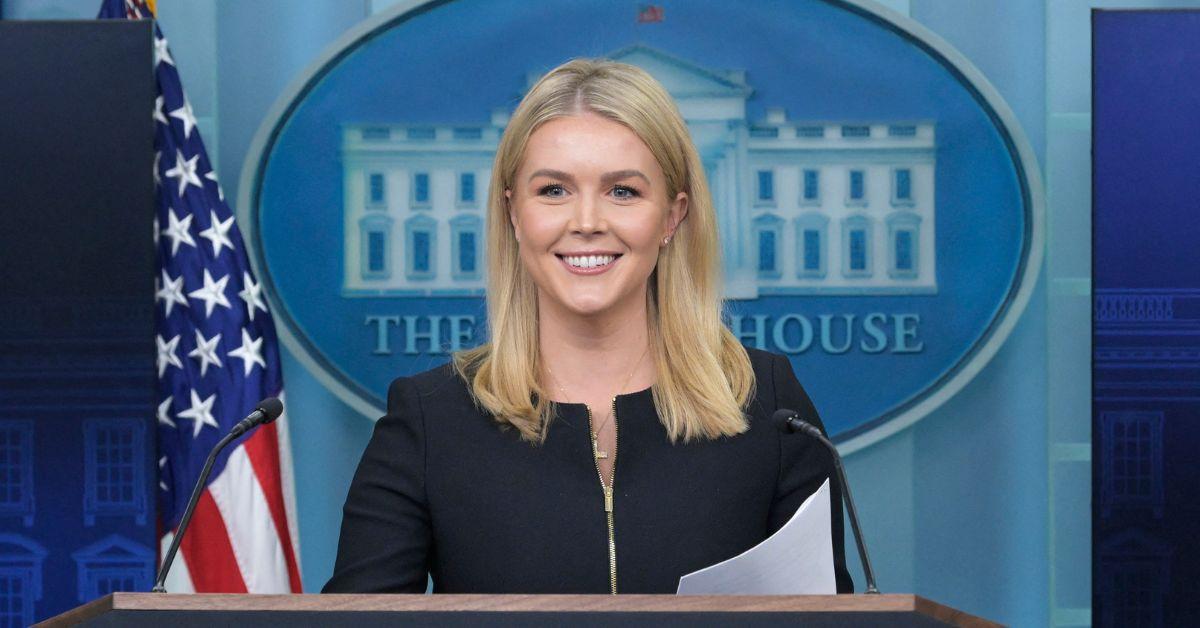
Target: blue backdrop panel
(1146, 366)
(76, 315)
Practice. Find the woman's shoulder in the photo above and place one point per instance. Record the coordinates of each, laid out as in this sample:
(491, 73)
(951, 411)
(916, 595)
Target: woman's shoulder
(775, 383)
(438, 384)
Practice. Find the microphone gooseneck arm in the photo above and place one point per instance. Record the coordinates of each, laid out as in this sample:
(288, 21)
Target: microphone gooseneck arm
(789, 422)
(160, 584)
(267, 410)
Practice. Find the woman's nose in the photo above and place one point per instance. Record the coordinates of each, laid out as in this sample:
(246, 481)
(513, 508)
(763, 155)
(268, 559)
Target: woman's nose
(587, 216)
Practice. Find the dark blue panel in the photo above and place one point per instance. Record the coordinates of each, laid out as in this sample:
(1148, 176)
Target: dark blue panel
(77, 467)
(1146, 329)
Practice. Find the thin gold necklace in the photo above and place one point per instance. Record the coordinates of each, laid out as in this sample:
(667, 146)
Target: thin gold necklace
(596, 435)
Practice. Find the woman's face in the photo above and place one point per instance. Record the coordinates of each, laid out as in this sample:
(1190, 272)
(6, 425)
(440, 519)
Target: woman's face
(590, 209)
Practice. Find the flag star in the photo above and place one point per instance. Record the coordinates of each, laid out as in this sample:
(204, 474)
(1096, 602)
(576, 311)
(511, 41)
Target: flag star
(212, 176)
(178, 231)
(161, 53)
(200, 413)
(250, 353)
(157, 161)
(162, 464)
(218, 233)
(164, 413)
(185, 171)
(252, 294)
(166, 354)
(206, 352)
(158, 110)
(156, 232)
(213, 293)
(185, 115)
(171, 291)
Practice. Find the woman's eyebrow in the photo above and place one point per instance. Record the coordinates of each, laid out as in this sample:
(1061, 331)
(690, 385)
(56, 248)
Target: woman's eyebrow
(612, 177)
(552, 174)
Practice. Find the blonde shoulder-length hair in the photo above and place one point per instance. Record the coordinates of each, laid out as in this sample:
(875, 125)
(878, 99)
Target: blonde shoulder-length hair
(704, 377)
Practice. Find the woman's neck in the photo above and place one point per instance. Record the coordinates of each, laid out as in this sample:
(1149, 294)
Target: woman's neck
(589, 359)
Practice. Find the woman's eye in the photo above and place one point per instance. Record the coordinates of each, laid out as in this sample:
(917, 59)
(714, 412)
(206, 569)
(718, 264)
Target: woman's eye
(624, 192)
(553, 190)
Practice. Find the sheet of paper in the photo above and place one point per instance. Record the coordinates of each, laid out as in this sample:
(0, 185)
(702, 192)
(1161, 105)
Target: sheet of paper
(796, 560)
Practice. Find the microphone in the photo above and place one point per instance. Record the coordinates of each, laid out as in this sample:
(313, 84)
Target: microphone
(266, 411)
(788, 421)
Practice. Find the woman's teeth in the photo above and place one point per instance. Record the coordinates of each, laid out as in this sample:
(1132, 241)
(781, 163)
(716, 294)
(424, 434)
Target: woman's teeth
(589, 261)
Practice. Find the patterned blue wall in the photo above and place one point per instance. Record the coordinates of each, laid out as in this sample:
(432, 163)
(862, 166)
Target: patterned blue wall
(76, 337)
(1146, 331)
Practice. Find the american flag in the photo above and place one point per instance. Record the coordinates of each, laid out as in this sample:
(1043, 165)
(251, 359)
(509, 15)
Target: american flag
(650, 14)
(217, 357)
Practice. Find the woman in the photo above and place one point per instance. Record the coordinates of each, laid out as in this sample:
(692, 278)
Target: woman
(613, 435)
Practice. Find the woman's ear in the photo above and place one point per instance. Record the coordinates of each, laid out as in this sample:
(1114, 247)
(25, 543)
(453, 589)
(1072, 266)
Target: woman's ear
(512, 216)
(675, 214)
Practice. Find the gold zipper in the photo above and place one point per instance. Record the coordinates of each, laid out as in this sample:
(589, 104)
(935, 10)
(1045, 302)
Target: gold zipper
(608, 495)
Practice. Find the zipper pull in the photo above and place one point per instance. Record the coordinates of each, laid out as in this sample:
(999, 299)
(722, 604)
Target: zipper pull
(608, 499)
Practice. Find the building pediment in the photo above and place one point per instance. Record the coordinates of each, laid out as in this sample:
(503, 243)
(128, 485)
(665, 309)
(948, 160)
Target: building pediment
(682, 78)
(112, 547)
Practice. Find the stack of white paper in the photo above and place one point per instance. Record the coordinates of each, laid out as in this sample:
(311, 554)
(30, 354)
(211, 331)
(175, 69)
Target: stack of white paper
(796, 560)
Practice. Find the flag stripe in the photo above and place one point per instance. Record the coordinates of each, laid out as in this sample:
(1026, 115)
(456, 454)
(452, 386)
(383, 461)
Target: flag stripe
(207, 543)
(255, 543)
(179, 580)
(287, 480)
(262, 449)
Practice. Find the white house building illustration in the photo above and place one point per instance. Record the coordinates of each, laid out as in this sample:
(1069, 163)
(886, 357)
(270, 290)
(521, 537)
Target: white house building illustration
(804, 207)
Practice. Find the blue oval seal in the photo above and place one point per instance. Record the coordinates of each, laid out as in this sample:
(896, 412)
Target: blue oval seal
(880, 208)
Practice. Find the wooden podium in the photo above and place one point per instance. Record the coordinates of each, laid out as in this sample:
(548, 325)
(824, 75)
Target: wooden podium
(181, 610)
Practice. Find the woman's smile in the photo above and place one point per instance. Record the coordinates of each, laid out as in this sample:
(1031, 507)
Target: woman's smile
(588, 263)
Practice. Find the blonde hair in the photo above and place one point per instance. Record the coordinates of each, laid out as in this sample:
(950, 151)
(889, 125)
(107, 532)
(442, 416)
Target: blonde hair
(704, 378)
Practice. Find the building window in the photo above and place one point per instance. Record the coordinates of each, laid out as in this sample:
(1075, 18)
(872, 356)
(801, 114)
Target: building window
(856, 246)
(902, 130)
(113, 469)
(856, 130)
(810, 194)
(466, 189)
(465, 240)
(766, 187)
(377, 133)
(420, 189)
(768, 234)
(902, 193)
(1132, 463)
(16, 470)
(811, 241)
(20, 579)
(376, 258)
(810, 131)
(904, 251)
(421, 133)
(376, 249)
(420, 246)
(376, 190)
(856, 191)
(764, 131)
(1135, 570)
(468, 133)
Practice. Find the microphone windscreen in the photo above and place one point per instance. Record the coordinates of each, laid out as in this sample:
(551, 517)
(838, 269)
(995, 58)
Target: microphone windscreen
(780, 419)
(271, 407)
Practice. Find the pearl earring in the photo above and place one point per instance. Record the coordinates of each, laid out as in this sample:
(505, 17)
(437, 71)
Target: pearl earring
(666, 240)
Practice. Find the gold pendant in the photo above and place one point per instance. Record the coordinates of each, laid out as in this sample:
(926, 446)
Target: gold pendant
(600, 455)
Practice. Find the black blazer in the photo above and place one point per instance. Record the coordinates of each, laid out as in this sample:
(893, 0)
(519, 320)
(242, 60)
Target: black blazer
(443, 489)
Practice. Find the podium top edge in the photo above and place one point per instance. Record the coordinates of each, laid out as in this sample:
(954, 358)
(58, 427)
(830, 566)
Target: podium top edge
(625, 603)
